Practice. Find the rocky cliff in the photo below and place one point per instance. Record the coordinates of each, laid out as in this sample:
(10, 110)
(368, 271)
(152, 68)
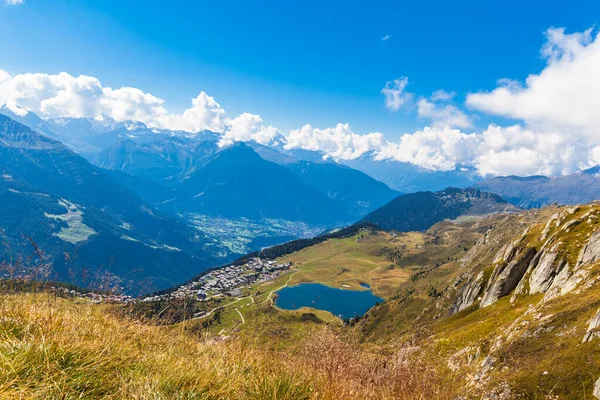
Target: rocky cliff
(530, 304)
(553, 260)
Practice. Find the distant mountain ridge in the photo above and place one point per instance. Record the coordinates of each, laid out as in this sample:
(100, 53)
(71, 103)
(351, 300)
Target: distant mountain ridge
(68, 206)
(420, 211)
(356, 191)
(538, 191)
(174, 161)
(236, 182)
(90, 137)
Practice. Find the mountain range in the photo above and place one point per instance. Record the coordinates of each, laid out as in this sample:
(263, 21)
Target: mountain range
(155, 200)
(190, 199)
(538, 191)
(420, 211)
(84, 220)
(90, 137)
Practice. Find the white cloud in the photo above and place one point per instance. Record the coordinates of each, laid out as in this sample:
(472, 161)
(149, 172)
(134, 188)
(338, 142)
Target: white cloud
(442, 95)
(64, 95)
(443, 115)
(205, 113)
(248, 127)
(515, 150)
(14, 2)
(564, 96)
(395, 94)
(340, 142)
(557, 110)
(512, 150)
(432, 148)
(386, 37)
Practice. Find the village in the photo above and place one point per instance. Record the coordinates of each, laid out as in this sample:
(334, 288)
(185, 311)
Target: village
(226, 281)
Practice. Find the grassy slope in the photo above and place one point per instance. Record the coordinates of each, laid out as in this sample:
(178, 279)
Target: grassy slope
(537, 347)
(352, 261)
(61, 348)
(384, 261)
(58, 348)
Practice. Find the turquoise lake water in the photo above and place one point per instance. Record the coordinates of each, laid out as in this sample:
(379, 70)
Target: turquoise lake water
(341, 302)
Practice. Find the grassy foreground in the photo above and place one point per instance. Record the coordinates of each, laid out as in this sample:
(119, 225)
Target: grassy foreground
(53, 348)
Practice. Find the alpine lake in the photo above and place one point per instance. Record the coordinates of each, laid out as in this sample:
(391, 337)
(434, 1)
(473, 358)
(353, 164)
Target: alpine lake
(343, 303)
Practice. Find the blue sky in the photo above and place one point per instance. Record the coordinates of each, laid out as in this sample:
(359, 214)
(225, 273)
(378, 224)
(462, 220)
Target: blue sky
(292, 62)
(525, 74)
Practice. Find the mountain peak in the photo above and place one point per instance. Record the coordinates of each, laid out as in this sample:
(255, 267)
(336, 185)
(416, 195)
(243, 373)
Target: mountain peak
(421, 210)
(17, 135)
(595, 170)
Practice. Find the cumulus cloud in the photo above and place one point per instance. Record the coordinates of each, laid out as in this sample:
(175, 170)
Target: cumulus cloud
(340, 142)
(64, 95)
(247, 127)
(442, 95)
(13, 2)
(205, 113)
(516, 150)
(395, 94)
(512, 150)
(563, 96)
(432, 148)
(386, 37)
(558, 108)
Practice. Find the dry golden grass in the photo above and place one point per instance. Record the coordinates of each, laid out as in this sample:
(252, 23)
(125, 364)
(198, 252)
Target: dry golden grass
(64, 349)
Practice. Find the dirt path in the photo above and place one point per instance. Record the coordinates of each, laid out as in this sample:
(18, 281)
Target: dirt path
(226, 305)
(275, 290)
(241, 316)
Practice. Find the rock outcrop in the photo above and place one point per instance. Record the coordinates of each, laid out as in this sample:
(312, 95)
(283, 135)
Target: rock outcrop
(592, 330)
(597, 389)
(591, 251)
(506, 276)
(468, 294)
(531, 265)
(542, 271)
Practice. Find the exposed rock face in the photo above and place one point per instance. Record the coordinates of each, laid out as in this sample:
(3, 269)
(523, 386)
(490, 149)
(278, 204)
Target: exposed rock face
(592, 330)
(591, 251)
(506, 276)
(565, 281)
(597, 389)
(486, 366)
(543, 270)
(468, 294)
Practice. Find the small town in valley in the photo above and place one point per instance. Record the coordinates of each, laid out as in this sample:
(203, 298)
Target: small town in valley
(227, 280)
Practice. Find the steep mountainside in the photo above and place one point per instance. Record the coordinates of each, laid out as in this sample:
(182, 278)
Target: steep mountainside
(505, 306)
(420, 211)
(158, 157)
(237, 182)
(357, 192)
(69, 206)
(539, 191)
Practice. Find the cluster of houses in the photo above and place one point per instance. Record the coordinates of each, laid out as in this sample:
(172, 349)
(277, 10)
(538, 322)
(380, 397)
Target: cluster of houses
(227, 280)
(94, 297)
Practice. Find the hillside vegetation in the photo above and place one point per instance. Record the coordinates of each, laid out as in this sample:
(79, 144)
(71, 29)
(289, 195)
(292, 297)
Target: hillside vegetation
(504, 301)
(54, 348)
(495, 307)
(421, 210)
